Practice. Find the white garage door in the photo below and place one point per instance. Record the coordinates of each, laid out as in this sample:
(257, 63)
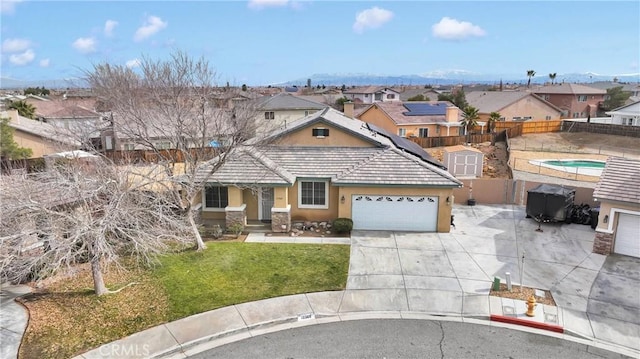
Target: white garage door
(395, 213)
(628, 235)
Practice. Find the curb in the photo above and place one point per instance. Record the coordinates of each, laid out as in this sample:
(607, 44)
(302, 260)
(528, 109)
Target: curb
(527, 323)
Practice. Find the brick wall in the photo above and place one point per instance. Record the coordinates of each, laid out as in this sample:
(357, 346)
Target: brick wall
(603, 243)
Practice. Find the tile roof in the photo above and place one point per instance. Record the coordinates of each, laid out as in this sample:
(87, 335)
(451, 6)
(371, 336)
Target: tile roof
(284, 101)
(620, 181)
(38, 128)
(365, 89)
(399, 113)
(495, 101)
(568, 89)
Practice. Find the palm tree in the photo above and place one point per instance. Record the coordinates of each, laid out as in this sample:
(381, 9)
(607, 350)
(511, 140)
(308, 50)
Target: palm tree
(24, 108)
(493, 118)
(530, 74)
(552, 76)
(469, 120)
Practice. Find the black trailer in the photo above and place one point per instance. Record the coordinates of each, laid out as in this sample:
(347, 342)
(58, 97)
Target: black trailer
(550, 203)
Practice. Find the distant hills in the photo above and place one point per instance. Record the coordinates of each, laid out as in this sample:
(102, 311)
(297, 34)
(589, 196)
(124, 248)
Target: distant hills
(448, 77)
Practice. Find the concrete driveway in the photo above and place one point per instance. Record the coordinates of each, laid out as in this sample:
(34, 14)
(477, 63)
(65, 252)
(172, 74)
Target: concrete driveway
(421, 271)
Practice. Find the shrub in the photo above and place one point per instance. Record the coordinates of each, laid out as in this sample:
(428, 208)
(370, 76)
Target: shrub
(342, 225)
(235, 228)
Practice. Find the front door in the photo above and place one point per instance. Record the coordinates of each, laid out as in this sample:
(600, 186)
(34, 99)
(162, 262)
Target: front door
(265, 202)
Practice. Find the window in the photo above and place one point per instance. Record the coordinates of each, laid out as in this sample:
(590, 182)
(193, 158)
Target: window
(423, 132)
(402, 132)
(390, 96)
(164, 145)
(546, 97)
(517, 118)
(216, 198)
(547, 118)
(576, 115)
(582, 98)
(313, 194)
(320, 132)
(503, 118)
(129, 146)
(366, 95)
(269, 115)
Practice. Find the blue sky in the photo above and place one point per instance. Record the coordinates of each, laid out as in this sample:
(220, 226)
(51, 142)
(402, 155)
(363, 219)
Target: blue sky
(269, 41)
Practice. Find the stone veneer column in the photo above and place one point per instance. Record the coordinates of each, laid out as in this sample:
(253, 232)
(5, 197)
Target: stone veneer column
(281, 219)
(603, 243)
(236, 215)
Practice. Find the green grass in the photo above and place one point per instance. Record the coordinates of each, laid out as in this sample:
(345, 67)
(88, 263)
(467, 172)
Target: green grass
(67, 319)
(229, 273)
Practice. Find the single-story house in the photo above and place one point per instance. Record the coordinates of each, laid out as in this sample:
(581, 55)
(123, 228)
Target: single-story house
(512, 106)
(618, 193)
(626, 115)
(329, 166)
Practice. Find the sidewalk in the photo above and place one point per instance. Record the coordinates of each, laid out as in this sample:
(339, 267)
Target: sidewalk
(13, 319)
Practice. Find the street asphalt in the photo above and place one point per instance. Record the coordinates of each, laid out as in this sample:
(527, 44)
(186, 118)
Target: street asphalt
(441, 276)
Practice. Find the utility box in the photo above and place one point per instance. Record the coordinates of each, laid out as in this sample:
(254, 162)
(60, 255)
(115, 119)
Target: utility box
(550, 203)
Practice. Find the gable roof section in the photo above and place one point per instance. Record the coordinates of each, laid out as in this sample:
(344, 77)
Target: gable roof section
(495, 101)
(285, 101)
(632, 108)
(401, 115)
(41, 129)
(460, 148)
(568, 89)
(369, 90)
(619, 181)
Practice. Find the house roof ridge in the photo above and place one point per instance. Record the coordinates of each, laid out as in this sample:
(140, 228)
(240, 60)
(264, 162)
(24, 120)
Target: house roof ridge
(426, 164)
(354, 167)
(270, 164)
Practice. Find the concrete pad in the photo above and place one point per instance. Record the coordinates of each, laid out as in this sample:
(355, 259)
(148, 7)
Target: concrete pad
(325, 303)
(577, 282)
(374, 300)
(593, 261)
(614, 311)
(437, 283)
(435, 301)
(616, 331)
(572, 302)
(495, 306)
(488, 245)
(255, 238)
(375, 281)
(497, 266)
(475, 286)
(379, 239)
(577, 322)
(203, 325)
(544, 275)
(422, 241)
(279, 239)
(617, 290)
(155, 340)
(268, 310)
(450, 244)
(307, 240)
(426, 263)
(465, 267)
(369, 260)
(336, 240)
(475, 306)
(622, 265)
(10, 343)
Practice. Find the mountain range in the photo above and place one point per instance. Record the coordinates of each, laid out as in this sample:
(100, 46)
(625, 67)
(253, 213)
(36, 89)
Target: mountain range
(445, 77)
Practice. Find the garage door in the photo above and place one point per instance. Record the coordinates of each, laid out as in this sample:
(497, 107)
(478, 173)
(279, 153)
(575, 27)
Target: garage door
(628, 235)
(395, 213)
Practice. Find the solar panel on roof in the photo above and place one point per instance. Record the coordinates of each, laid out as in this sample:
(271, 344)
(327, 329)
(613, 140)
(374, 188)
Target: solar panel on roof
(406, 145)
(425, 109)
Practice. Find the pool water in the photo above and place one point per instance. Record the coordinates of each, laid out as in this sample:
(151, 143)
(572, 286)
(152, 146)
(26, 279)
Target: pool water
(576, 163)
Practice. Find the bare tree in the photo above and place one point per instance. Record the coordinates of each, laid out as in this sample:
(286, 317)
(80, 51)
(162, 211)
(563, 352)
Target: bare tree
(169, 105)
(85, 211)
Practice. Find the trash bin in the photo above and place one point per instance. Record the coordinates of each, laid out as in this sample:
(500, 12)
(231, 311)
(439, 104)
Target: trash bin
(595, 213)
(471, 202)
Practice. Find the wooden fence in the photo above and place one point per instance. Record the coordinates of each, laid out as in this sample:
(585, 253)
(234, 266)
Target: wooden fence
(604, 128)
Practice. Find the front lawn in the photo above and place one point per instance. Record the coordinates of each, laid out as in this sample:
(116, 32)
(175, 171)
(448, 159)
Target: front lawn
(67, 319)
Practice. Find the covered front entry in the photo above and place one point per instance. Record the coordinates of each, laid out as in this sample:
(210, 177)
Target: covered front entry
(394, 213)
(265, 203)
(627, 240)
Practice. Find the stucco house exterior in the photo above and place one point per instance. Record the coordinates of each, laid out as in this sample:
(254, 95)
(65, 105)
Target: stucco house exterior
(415, 119)
(284, 108)
(575, 101)
(626, 115)
(329, 166)
(512, 106)
(618, 193)
(372, 94)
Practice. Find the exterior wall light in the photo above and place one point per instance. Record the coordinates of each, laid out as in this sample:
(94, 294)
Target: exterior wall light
(342, 199)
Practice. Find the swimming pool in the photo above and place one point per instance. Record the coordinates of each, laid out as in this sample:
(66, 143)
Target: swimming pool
(577, 166)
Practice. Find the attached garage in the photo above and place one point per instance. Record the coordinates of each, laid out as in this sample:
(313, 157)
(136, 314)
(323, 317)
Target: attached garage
(627, 239)
(394, 213)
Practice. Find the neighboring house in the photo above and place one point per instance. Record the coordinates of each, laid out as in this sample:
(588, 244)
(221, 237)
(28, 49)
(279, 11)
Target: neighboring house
(42, 138)
(372, 94)
(618, 192)
(284, 108)
(70, 115)
(626, 115)
(329, 166)
(512, 106)
(429, 93)
(415, 119)
(575, 101)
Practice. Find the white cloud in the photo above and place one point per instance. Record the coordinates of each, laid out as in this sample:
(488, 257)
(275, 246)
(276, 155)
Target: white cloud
(23, 58)
(85, 45)
(261, 4)
(151, 25)
(45, 62)
(452, 29)
(8, 6)
(371, 19)
(15, 45)
(109, 25)
(133, 63)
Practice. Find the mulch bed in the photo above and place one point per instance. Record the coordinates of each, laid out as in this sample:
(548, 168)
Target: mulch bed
(515, 293)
